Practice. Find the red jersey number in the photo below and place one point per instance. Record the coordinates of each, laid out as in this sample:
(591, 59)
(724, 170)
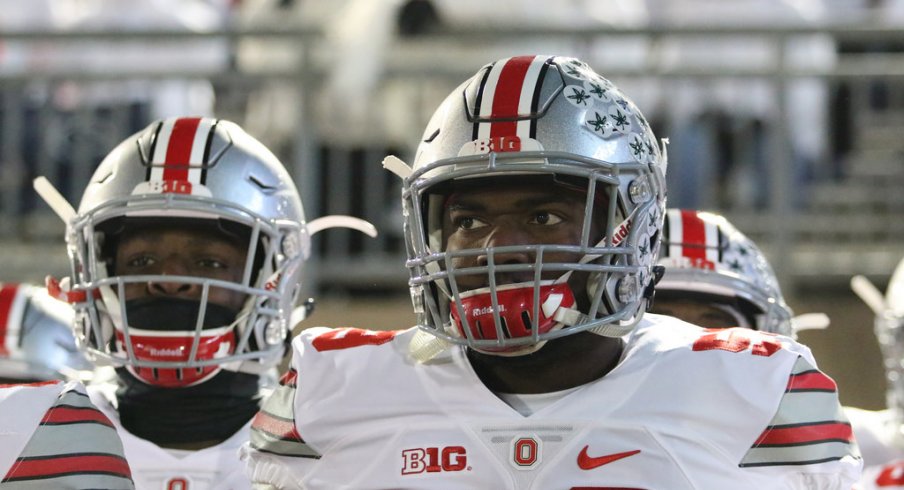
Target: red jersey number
(737, 340)
(892, 475)
(346, 338)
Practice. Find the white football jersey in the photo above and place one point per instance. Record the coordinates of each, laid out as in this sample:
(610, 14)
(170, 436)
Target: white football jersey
(52, 436)
(877, 434)
(153, 467)
(685, 408)
(888, 476)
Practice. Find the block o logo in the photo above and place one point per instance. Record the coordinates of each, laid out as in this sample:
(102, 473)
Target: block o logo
(526, 452)
(177, 484)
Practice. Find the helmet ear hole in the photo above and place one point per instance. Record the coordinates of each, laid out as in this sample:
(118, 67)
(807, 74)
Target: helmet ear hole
(506, 333)
(525, 317)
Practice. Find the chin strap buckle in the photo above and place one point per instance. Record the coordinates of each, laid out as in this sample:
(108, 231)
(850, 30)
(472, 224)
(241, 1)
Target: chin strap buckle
(62, 290)
(650, 292)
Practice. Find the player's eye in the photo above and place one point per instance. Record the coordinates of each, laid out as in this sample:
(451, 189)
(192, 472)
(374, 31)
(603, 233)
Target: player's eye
(545, 218)
(469, 223)
(212, 264)
(141, 261)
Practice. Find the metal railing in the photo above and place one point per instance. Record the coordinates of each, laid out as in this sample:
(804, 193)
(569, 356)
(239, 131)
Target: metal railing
(44, 133)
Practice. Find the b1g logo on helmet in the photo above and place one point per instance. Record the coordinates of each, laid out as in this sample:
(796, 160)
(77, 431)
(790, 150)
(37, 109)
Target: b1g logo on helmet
(171, 187)
(499, 144)
(434, 460)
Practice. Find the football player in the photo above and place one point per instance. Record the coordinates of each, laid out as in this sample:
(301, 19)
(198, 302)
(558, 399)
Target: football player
(533, 215)
(716, 277)
(36, 342)
(51, 435)
(880, 433)
(186, 253)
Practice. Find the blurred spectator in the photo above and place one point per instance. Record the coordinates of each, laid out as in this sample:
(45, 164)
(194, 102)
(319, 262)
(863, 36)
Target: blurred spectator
(60, 126)
(880, 433)
(720, 129)
(36, 341)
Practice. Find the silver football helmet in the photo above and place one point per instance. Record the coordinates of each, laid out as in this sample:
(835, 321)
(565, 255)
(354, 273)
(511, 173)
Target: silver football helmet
(890, 333)
(704, 254)
(889, 328)
(36, 340)
(207, 173)
(546, 116)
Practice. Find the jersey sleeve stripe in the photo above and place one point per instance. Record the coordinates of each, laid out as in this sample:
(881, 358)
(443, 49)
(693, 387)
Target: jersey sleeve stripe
(273, 429)
(290, 379)
(61, 415)
(73, 439)
(272, 435)
(74, 398)
(789, 456)
(276, 427)
(806, 434)
(807, 407)
(810, 381)
(809, 426)
(282, 448)
(78, 447)
(36, 468)
(280, 403)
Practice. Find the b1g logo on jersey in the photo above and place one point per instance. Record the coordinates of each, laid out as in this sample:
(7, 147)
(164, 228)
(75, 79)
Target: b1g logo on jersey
(525, 452)
(434, 460)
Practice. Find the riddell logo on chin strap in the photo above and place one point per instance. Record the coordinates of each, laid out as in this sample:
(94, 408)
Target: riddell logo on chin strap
(486, 310)
(434, 460)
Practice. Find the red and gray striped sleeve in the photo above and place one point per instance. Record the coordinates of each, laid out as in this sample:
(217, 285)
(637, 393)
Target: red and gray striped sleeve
(273, 429)
(809, 427)
(74, 446)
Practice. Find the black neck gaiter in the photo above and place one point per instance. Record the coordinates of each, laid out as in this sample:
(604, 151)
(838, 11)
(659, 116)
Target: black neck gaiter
(211, 411)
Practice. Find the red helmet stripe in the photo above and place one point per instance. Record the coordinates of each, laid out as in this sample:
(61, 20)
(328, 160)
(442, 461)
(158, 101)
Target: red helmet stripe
(674, 228)
(179, 151)
(509, 94)
(693, 235)
(7, 296)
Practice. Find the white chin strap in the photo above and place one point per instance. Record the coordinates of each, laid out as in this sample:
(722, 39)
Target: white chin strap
(810, 321)
(341, 221)
(54, 199)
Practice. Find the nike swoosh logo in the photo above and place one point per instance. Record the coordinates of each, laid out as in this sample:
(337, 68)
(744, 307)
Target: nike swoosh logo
(586, 462)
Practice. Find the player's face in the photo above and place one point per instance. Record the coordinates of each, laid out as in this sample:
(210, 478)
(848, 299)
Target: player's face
(501, 216)
(699, 313)
(181, 252)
